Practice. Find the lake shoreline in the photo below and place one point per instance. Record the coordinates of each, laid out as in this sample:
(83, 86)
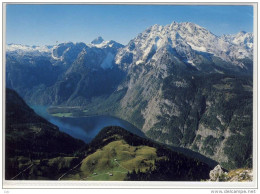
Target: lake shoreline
(85, 127)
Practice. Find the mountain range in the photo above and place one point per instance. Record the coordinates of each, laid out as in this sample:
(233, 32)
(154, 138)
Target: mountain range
(180, 84)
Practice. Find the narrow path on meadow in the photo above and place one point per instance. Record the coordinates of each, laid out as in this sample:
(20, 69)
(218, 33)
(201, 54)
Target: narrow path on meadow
(69, 170)
(121, 165)
(22, 172)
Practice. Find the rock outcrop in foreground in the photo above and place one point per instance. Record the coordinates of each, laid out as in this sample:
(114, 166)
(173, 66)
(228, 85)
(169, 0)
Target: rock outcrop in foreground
(239, 175)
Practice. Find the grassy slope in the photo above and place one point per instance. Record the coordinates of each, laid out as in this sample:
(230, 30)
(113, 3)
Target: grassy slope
(112, 155)
(115, 158)
(119, 152)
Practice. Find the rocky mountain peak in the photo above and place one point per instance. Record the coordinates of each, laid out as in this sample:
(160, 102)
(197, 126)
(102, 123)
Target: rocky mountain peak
(190, 41)
(97, 40)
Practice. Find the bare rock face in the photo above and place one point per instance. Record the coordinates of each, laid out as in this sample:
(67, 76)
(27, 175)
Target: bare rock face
(241, 175)
(237, 175)
(216, 174)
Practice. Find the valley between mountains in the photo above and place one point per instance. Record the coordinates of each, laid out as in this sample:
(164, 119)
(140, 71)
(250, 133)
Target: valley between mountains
(37, 150)
(182, 86)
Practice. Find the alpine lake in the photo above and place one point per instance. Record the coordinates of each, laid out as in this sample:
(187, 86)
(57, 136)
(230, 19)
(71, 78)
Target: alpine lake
(84, 127)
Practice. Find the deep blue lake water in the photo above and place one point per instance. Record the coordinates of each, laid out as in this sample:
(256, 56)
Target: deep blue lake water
(85, 128)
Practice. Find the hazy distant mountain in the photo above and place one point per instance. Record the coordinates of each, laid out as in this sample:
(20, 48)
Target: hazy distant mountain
(242, 39)
(19, 49)
(97, 40)
(63, 74)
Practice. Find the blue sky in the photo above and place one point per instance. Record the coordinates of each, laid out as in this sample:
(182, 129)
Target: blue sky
(46, 24)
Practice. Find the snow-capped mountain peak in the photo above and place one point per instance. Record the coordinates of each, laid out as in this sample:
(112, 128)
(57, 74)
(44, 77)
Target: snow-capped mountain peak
(106, 44)
(188, 40)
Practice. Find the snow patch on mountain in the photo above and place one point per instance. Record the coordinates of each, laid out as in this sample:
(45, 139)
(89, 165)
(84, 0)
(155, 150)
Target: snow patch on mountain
(108, 61)
(100, 45)
(139, 62)
(191, 62)
(52, 54)
(197, 48)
